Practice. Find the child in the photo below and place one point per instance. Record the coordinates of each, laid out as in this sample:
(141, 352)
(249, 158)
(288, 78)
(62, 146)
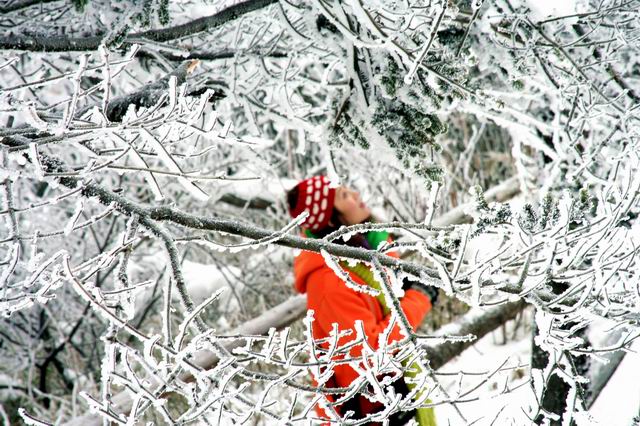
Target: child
(333, 301)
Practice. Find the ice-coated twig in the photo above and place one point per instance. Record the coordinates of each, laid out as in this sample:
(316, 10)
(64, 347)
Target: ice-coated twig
(71, 107)
(235, 248)
(425, 49)
(182, 330)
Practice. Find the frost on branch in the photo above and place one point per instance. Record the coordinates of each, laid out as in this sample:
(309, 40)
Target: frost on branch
(144, 146)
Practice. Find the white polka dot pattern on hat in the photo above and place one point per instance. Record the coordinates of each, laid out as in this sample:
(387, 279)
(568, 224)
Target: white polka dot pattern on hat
(316, 202)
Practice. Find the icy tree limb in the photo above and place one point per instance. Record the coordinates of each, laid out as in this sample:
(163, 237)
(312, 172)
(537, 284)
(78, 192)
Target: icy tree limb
(216, 55)
(22, 4)
(147, 95)
(128, 207)
(553, 400)
(479, 322)
(233, 227)
(278, 317)
(168, 214)
(67, 44)
(251, 203)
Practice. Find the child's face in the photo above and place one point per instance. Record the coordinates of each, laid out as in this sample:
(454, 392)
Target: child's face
(352, 209)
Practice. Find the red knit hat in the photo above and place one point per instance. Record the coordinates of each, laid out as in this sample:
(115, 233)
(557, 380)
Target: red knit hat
(316, 197)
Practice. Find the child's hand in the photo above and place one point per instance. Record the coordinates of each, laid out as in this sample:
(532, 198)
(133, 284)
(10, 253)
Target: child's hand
(429, 290)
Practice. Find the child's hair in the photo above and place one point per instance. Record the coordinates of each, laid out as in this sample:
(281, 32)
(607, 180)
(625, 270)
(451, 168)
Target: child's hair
(357, 240)
(292, 198)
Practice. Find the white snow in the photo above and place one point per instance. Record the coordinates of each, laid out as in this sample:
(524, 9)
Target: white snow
(485, 356)
(541, 9)
(619, 401)
(617, 404)
(203, 280)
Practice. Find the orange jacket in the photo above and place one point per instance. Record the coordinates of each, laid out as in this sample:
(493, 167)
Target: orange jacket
(333, 302)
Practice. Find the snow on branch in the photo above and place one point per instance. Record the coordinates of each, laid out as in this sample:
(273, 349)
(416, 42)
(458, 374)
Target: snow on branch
(71, 44)
(134, 176)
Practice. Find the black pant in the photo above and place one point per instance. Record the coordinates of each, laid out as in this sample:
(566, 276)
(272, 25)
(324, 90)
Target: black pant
(396, 419)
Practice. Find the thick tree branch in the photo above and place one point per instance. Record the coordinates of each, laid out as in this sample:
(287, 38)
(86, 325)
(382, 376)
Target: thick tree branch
(66, 44)
(147, 95)
(22, 4)
(253, 203)
(479, 322)
(233, 227)
(208, 55)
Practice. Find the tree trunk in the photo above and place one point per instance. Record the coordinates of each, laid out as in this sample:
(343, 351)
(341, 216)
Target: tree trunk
(556, 390)
(554, 397)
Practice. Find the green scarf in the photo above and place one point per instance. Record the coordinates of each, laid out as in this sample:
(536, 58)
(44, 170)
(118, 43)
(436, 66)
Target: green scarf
(424, 416)
(374, 238)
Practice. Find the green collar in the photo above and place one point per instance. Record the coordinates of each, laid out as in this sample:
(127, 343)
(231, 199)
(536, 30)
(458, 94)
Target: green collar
(374, 238)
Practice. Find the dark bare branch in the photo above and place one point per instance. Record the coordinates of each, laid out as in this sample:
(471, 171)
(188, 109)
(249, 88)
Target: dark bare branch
(22, 4)
(147, 95)
(68, 44)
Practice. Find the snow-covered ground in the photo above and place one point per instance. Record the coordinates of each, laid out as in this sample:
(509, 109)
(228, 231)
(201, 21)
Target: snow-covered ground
(486, 405)
(617, 404)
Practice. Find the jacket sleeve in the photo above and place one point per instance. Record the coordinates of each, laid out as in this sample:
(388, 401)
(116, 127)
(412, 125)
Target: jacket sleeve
(343, 306)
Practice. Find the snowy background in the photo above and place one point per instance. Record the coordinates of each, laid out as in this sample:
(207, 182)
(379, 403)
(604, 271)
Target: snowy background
(146, 249)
